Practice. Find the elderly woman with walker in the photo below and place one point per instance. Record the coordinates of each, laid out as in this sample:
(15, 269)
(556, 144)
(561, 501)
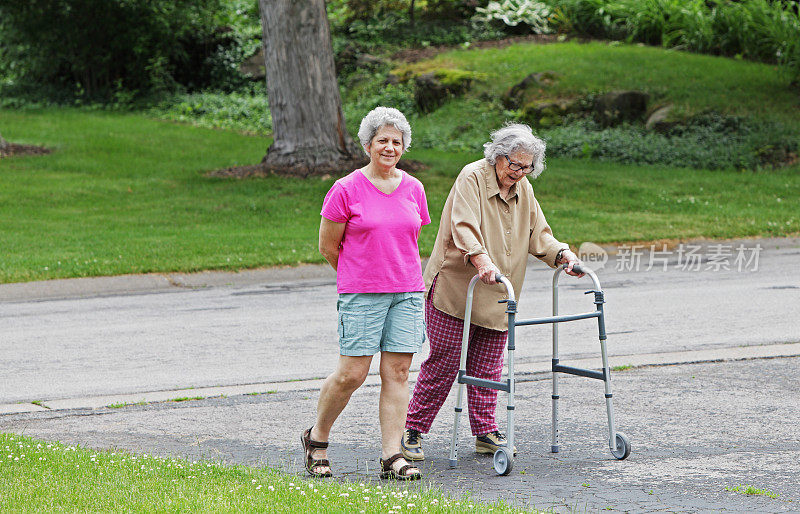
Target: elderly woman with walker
(371, 220)
(491, 221)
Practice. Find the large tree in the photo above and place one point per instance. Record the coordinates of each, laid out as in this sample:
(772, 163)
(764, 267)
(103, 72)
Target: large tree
(310, 136)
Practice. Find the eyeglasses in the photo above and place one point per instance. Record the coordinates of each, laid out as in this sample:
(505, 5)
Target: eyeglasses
(516, 166)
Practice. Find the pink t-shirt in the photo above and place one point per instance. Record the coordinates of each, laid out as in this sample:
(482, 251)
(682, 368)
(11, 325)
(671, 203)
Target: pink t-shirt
(379, 251)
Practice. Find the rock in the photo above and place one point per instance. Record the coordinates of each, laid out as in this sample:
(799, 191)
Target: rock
(660, 120)
(545, 114)
(367, 61)
(532, 87)
(617, 107)
(429, 92)
(347, 59)
(254, 65)
(432, 89)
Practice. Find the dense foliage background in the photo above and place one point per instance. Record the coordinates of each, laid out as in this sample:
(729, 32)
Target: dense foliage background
(120, 50)
(183, 60)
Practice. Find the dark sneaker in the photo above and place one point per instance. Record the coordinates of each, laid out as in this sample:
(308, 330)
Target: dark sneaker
(411, 445)
(489, 443)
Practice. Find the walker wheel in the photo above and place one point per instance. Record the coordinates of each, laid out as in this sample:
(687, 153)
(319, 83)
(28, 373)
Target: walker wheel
(503, 461)
(623, 448)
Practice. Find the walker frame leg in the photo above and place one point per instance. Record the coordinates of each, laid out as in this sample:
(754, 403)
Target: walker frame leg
(555, 397)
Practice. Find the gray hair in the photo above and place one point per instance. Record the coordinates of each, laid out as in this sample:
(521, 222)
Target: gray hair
(380, 117)
(515, 137)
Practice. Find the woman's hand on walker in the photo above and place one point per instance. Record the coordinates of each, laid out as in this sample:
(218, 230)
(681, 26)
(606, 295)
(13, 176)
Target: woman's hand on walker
(569, 257)
(486, 268)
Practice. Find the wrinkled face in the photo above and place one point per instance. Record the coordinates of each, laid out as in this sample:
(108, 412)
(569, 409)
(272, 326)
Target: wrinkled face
(386, 147)
(512, 168)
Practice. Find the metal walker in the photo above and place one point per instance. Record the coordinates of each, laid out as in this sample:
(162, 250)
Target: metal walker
(504, 458)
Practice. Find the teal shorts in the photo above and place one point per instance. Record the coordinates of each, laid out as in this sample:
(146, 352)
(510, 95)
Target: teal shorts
(380, 322)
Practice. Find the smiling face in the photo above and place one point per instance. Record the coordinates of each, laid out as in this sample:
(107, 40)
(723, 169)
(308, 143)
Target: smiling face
(386, 147)
(506, 177)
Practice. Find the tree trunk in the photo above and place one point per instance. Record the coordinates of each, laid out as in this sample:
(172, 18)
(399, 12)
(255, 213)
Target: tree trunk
(411, 13)
(307, 120)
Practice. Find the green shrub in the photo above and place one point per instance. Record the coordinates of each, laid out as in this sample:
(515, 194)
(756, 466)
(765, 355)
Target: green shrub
(530, 13)
(243, 111)
(762, 30)
(391, 31)
(706, 141)
(107, 50)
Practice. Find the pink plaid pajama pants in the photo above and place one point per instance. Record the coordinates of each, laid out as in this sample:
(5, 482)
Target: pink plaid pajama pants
(439, 370)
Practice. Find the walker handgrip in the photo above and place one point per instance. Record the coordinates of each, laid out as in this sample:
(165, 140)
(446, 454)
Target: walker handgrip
(497, 277)
(578, 269)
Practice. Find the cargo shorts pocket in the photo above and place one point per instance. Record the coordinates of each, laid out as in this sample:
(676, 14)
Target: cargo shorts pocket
(418, 303)
(351, 326)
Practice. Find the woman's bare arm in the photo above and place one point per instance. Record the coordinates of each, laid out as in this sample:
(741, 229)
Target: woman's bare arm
(330, 237)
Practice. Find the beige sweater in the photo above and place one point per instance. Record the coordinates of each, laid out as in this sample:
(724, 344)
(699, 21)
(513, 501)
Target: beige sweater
(477, 220)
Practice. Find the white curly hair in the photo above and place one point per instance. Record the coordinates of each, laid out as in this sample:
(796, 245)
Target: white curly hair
(516, 137)
(380, 117)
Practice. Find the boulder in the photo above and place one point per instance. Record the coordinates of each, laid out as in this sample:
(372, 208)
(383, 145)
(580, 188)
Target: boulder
(352, 57)
(431, 90)
(532, 87)
(660, 119)
(368, 61)
(254, 66)
(617, 107)
(545, 114)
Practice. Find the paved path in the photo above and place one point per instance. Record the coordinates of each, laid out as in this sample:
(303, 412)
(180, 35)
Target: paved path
(712, 402)
(696, 429)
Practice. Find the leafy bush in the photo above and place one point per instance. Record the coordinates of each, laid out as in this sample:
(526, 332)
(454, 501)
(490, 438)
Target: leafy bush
(761, 30)
(707, 141)
(243, 111)
(513, 12)
(117, 49)
(390, 31)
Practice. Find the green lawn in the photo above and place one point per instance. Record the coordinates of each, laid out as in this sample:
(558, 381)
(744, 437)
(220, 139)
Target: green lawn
(693, 82)
(125, 194)
(41, 476)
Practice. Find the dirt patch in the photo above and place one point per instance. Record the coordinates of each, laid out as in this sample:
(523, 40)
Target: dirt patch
(260, 170)
(419, 54)
(14, 149)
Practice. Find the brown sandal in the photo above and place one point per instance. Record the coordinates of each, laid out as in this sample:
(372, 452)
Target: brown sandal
(309, 445)
(389, 472)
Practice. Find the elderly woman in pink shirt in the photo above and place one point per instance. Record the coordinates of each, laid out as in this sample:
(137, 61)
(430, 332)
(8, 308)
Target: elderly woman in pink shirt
(371, 220)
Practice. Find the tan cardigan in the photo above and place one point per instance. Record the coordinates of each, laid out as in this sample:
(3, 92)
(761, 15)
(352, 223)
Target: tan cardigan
(475, 220)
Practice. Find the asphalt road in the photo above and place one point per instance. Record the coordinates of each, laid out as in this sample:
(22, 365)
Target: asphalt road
(697, 431)
(155, 333)
(726, 416)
